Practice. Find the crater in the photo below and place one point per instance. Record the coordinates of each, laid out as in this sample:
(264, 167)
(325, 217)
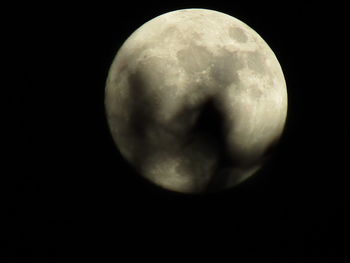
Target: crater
(237, 34)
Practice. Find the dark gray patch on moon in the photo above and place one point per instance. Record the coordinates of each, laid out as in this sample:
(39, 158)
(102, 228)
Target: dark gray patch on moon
(209, 137)
(225, 67)
(142, 133)
(256, 62)
(196, 158)
(195, 58)
(237, 34)
(152, 71)
(169, 32)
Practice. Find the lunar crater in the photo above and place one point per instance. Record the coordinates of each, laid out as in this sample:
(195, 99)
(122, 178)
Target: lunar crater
(238, 34)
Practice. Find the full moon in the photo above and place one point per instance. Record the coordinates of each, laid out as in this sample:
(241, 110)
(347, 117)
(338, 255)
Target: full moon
(194, 100)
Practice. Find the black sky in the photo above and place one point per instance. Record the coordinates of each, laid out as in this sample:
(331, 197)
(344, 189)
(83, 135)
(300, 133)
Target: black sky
(72, 198)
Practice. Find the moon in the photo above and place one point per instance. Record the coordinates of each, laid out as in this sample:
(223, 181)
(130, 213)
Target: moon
(194, 100)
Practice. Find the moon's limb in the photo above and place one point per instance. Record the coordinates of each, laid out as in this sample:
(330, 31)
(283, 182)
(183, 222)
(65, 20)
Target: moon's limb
(174, 71)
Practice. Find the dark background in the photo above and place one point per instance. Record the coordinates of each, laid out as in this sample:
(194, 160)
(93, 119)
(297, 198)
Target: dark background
(72, 198)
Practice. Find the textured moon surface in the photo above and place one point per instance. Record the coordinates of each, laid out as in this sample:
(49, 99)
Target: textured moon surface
(194, 99)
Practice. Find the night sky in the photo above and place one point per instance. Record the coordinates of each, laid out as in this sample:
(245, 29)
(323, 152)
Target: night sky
(72, 198)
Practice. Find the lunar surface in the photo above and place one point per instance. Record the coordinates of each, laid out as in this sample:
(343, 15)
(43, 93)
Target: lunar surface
(195, 99)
